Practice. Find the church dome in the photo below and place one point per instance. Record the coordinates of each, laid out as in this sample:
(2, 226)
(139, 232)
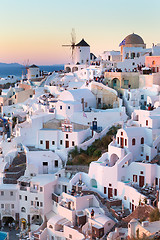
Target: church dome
(133, 39)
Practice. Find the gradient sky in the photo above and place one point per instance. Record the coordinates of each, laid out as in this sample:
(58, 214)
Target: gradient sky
(36, 29)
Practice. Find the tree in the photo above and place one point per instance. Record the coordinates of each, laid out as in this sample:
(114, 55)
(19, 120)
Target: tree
(154, 215)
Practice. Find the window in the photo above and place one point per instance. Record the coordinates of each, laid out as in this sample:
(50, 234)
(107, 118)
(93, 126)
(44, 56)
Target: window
(53, 142)
(142, 97)
(72, 143)
(146, 122)
(60, 107)
(156, 181)
(125, 198)
(115, 192)
(110, 184)
(2, 193)
(45, 163)
(133, 63)
(41, 142)
(105, 190)
(32, 203)
(118, 140)
(41, 189)
(37, 204)
(2, 205)
(130, 206)
(61, 142)
(121, 133)
(20, 197)
(41, 204)
(56, 163)
(126, 82)
(11, 193)
(134, 178)
(125, 142)
(30, 96)
(147, 158)
(15, 96)
(23, 209)
(12, 206)
(70, 236)
(67, 136)
(133, 141)
(50, 226)
(142, 140)
(69, 107)
(25, 198)
(141, 172)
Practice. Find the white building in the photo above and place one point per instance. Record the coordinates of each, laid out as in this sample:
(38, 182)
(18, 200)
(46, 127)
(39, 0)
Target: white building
(33, 72)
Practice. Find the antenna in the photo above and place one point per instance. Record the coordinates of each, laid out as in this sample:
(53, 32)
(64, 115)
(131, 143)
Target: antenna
(73, 43)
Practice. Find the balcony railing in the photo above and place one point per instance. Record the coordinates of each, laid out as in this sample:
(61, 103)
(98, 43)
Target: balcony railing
(23, 188)
(33, 190)
(35, 210)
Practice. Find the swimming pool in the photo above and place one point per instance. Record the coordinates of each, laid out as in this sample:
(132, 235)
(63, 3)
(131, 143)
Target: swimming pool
(3, 236)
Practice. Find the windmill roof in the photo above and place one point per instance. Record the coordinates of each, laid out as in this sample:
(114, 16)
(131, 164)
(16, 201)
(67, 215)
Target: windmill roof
(33, 66)
(82, 43)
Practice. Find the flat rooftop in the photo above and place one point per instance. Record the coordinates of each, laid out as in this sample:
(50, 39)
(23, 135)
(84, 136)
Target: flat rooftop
(55, 124)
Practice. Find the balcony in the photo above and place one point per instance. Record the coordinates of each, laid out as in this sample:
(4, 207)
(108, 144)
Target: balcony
(23, 188)
(55, 197)
(36, 211)
(33, 190)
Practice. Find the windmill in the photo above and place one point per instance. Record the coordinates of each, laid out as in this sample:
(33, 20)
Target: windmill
(73, 43)
(25, 65)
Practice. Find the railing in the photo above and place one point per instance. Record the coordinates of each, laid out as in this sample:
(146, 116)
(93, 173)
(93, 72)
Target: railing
(33, 190)
(55, 197)
(36, 210)
(23, 188)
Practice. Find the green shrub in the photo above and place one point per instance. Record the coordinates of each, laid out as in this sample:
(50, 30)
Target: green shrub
(154, 215)
(97, 153)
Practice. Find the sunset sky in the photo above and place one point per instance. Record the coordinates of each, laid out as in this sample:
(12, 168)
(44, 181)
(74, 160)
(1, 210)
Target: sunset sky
(36, 29)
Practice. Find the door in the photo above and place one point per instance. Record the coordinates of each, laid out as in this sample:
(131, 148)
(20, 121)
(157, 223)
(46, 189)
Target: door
(141, 181)
(47, 144)
(67, 144)
(99, 102)
(64, 188)
(94, 125)
(122, 142)
(110, 193)
(45, 167)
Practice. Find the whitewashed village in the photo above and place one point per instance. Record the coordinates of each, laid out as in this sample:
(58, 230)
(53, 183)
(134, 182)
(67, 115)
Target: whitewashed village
(80, 148)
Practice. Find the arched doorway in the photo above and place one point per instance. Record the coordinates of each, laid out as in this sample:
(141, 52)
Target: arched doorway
(74, 69)
(7, 219)
(37, 220)
(113, 159)
(93, 183)
(68, 69)
(115, 83)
